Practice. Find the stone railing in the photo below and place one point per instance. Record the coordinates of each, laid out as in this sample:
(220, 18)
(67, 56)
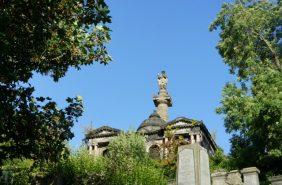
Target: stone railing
(247, 176)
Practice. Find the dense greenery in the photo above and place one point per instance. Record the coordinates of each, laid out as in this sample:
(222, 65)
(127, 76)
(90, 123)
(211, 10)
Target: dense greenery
(127, 163)
(46, 37)
(220, 162)
(250, 44)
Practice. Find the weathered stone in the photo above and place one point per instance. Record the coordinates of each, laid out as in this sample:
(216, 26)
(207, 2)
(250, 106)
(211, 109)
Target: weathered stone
(162, 100)
(192, 165)
(219, 178)
(250, 176)
(204, 168)
(276, 180)
(185, 169)
(234, 178)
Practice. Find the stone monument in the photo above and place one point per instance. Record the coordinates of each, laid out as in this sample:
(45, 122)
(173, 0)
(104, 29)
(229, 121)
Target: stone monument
(193, 165)
(162, 101)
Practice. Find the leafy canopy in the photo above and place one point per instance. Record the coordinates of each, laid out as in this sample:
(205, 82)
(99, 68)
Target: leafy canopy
(46, 37)
(251, 45)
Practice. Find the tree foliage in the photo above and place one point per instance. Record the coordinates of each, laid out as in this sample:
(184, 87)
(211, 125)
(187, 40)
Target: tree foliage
(46, 37)
(251, 45)
(219, 161)
(129, 162)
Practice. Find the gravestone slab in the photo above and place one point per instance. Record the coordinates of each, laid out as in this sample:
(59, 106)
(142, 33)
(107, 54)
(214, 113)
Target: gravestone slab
(192, 165)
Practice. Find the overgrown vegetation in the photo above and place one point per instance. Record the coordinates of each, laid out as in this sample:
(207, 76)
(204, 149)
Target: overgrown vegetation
(169, 160)
(127, 164)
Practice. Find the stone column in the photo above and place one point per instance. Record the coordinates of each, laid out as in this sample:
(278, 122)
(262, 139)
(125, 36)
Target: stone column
(198, 138)
(90, 149)
(250, 176)
(162, 109)
(162, 101)
(96, 149)
(219, 178)
(89, 144)
(192, 165)
(192, 138)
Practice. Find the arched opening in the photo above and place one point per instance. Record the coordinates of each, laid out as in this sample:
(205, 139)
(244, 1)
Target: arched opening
(154, 152)
(106, 153)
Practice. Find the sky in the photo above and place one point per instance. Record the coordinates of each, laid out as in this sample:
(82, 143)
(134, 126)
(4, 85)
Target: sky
(148, 37)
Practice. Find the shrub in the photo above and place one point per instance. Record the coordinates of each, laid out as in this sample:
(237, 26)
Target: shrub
(129, 163)
(16, 171)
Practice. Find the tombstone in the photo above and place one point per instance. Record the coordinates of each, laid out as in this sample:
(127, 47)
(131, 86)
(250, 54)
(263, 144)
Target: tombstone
(192, 165)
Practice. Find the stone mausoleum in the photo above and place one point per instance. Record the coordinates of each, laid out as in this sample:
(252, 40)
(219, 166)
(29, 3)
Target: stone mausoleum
(155, 127)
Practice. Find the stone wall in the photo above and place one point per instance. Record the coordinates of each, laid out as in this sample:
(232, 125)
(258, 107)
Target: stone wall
(247, 176)
(276, 180)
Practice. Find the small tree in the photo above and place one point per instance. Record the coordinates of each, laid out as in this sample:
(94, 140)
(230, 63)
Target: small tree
(129, 162)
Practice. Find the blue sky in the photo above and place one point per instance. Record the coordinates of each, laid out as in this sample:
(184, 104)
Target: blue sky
(148, 37)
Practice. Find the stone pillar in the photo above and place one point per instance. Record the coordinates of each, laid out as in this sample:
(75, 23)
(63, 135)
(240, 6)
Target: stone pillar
(198, 138)
(192, 138)
(162, 101)
(192, 165)
(250, 176)
(96, 149)
(219, 178)
(90, 149)
(162, 109)
(89, 144)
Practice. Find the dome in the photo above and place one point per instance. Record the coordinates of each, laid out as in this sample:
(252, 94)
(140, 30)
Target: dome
(154, 122)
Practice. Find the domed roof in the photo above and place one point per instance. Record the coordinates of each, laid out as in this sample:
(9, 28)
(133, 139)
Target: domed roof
(153, 122)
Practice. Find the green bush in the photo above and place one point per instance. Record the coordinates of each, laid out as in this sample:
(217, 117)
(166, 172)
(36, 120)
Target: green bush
(81, 168)
(127, 163)
(16, 172)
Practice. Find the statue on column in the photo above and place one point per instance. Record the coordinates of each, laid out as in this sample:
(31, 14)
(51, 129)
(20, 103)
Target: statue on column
(162, 80)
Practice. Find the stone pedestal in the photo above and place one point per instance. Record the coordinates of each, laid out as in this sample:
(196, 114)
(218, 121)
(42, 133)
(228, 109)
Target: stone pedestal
(192, 165)
(250, 176)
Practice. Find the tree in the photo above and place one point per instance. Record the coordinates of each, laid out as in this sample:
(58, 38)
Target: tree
(129, 163)
(250, 44)
(46, 37)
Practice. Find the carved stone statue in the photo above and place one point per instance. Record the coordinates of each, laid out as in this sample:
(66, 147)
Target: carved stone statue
(162, 80)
